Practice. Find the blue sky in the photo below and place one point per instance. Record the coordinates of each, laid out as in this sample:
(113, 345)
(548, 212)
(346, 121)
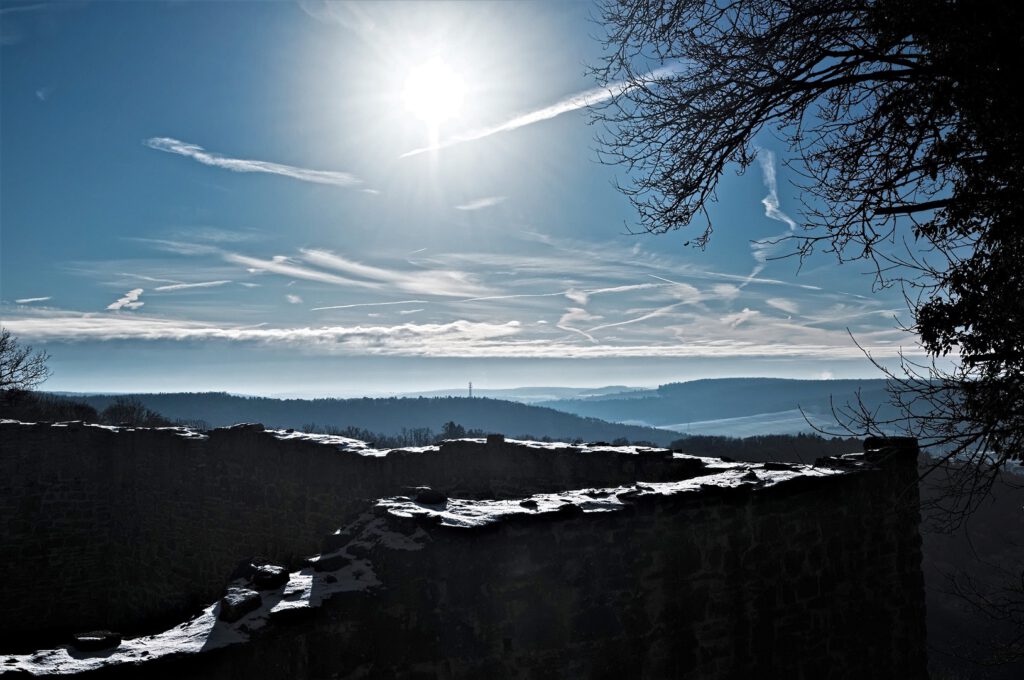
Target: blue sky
(245, 196)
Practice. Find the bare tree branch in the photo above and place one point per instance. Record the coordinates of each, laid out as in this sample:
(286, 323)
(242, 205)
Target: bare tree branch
(20, 367)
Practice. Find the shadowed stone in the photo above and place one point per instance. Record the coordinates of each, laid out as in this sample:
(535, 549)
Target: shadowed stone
(331, 563)
(237, 603)
(95, 641)
(269, 576)
(428, 496)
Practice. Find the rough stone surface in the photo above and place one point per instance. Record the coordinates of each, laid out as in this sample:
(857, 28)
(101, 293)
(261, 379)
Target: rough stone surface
(95, 641)
(269, 576)
(806, 572)
(810, 573)
(430, 497)
(238, 602)
(105, 527)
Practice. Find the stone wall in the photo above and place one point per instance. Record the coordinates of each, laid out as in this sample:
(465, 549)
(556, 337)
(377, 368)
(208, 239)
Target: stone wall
(133, 528)
(754, 571)
(629, 563)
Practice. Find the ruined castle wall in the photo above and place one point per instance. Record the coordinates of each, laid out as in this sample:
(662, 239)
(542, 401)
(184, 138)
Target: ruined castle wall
(815, 577)
(125, 529)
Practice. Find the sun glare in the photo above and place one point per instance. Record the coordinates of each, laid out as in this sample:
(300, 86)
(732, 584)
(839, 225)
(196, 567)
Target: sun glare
(434, 92)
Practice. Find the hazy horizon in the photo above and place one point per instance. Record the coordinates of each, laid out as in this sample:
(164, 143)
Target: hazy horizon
(357, 378)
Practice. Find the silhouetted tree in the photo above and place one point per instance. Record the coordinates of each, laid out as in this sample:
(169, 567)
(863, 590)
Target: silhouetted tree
(20, 367)
(903, 122)
(32, 406)
(452, 430)
(130, 411)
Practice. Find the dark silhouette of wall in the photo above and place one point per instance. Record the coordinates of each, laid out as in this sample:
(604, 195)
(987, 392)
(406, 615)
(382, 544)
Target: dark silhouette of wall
(745, 570)
(807, 577)
(135, 528)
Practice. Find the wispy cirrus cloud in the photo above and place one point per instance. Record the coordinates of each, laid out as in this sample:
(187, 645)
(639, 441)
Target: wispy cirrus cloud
(151, 279)
(574, 102)
(187, 286)
(25, 8)
(369, 304)
(285, 267)
(581, 297)
(293, 299)
(481, 203)
(783, 305)
(201, 155)
(573, 299)
(129, 300)
(464, 338)
(734, 320)
(327, 267)
(770, 202)
(766, 249)
(574, 315)
(661, 311)
(28, 301)
(351, 15)
(406, 339)
(442, 282)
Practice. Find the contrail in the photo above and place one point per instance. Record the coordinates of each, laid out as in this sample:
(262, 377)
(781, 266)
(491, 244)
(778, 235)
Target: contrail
(580, 100)
(764, 249)
(198, 153)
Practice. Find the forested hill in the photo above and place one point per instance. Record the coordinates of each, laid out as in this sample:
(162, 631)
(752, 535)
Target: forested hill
(703, 400)
(389, 416)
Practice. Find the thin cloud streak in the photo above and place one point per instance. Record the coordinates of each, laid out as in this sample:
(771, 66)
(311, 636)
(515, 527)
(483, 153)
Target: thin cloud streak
(765, 249)
(481, 203)
(24, 8)
(28, 301)
(661, 311)
(128, 301)
(148, 278)
(575, 102)
(199, 154)
(460, 338)
(445, 283)
(734, 320)
(284, 268)
(784, 305)
(349, 15)
(573, 315)
(578, 296)
(771, 202)
(370, 304)
(514, 295)
(186, 286)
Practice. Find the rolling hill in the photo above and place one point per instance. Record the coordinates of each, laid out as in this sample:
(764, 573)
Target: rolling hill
(389, 416)
(728, 406)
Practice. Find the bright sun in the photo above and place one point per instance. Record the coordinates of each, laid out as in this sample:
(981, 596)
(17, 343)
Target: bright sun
(434, 92)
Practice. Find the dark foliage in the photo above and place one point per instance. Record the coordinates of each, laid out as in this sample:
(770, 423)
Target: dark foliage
(903, 120)
(21, 368)
(799, 448)
(417, 436)
(34, 407)
(132, 412)
(28, 406)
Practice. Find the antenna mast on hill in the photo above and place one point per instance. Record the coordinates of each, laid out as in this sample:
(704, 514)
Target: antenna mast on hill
(470, 389)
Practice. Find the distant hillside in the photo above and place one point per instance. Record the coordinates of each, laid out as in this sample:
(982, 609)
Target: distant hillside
(677, 405)
(530, 395)
(389, 416)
